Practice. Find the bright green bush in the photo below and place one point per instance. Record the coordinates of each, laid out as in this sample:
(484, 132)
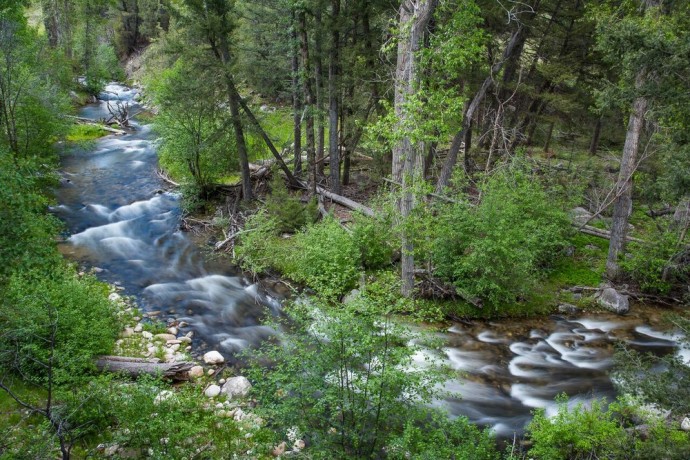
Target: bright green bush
(344, 379)
(439, 437)
(581, 433)
(326, 258)
(53, 326)
(496, 252)
(374, 239)
(256, 250)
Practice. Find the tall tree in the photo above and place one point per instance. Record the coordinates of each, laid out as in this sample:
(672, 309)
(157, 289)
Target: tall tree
(413, 18)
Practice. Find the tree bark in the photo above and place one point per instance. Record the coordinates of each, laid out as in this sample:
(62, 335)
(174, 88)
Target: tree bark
(296, 100)
(309, 102)
(333, 92)
(318, 80)
(594, 145)
(136, 367)
(623, 205)
(414, 15)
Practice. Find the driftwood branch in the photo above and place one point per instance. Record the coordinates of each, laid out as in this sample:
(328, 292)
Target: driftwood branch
(136, 367)
(89, 122)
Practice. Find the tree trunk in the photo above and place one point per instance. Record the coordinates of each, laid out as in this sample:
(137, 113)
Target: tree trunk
(333, 92)
(549, 133)
(233, 101)
(413, 19)
(136, 367)
(594, 145)
(452, 158)
(309, 102)
(623, 205)
(296, 100)
(318, 80)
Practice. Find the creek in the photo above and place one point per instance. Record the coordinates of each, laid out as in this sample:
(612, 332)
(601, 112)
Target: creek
(120, 219)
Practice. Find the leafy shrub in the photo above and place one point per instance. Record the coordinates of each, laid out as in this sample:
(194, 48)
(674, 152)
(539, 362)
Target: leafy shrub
(600, 432)
(288, 211)
(326, 258)
(495, 251)
(438, 437)
(652, 265)
(344, 379)
(575, 434)
(255, 250)
(374, 240)
(55, 323)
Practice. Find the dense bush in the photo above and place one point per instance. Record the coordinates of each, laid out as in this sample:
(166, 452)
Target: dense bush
(344, 379)
(257, 248)
(496, 251)
(581, 433)
(656, 265)
(289, 213)
(54, 325)
(375, 241)
(325, 258)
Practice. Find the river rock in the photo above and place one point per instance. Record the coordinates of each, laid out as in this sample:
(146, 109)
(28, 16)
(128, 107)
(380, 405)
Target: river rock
(213, 357)
(212, 391)
(612, 300)
(127, 332)
(138, 328)
(568, 309)
(147, 335)
(165, 337)
(196, 372)
(114, 297)
(172, 330)
(685, 424)
(237, 386)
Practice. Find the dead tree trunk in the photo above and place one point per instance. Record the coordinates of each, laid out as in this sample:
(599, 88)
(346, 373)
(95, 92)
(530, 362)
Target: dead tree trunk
(623, 205)
(594, 145)
(136, 367)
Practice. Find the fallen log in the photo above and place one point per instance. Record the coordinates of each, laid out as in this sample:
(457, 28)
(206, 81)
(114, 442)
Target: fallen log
(136, 367)
(89, 122)
(348, 203)
(598, 232)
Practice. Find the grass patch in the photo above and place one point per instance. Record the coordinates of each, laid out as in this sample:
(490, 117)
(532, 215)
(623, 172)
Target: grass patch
(85, 133)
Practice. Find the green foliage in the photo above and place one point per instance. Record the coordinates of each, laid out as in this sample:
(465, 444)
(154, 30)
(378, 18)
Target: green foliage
(325, 258)
(53, 326)
(653, 264)
(25, 231)
(661, 381)
(600, 432)
(84, 133)
(438, 437)
(196, 145)
(496, 251)
(289, 213)
(31, 96)
(577, 433)
(256, 250)
(374, 239)
(344, 379)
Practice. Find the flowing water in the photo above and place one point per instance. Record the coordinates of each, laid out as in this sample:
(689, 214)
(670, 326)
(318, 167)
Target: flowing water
(120, 219)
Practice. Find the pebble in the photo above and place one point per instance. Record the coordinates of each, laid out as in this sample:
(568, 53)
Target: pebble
(685, 424)
(127, 332)
(172, 330)
(165, 337)
(147, 335)
(138, 328)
